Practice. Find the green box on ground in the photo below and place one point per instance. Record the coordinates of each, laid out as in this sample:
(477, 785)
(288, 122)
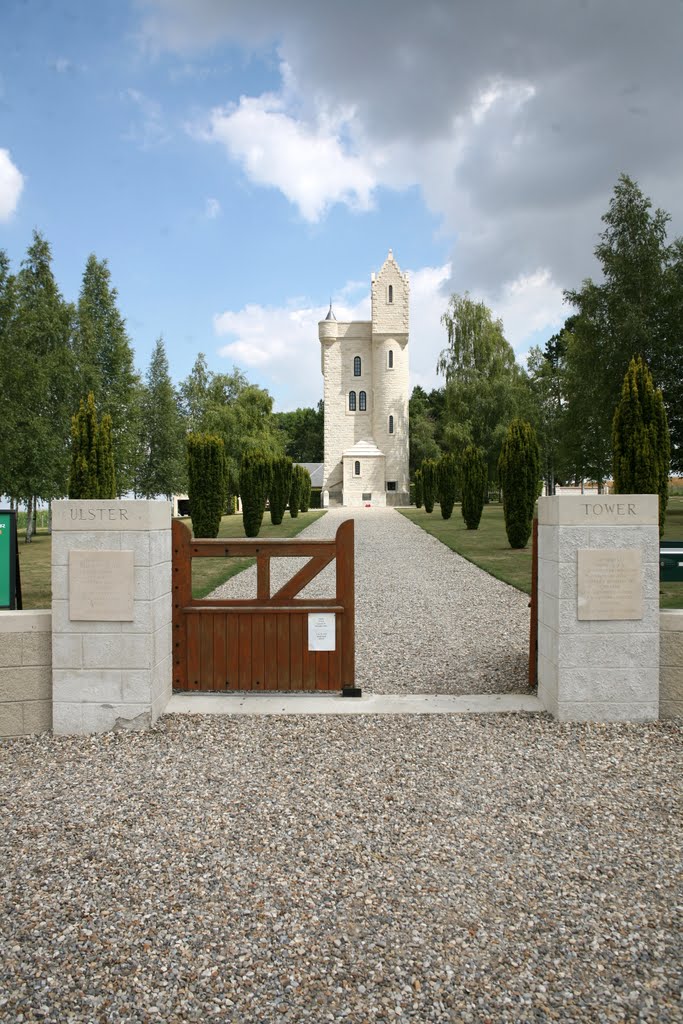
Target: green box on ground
(671, 561)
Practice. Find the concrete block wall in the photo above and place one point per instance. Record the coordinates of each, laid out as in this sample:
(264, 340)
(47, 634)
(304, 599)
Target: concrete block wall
(25, 673)
(671, 664)
(600, 669)
(112, 674)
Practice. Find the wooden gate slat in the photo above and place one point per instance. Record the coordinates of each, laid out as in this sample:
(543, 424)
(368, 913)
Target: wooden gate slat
(244, 625)
(270, 651)
(308, 662)
(296, 675)
(219, 652)
(257, 652)
(283, 654)
(232, 644)
(193, 651)
(206, 651)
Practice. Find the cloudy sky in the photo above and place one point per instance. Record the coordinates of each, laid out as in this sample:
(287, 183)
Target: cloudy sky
(239, 162)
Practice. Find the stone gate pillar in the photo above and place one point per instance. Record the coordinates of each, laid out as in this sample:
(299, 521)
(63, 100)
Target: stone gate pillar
(111, 614)
(598, 607)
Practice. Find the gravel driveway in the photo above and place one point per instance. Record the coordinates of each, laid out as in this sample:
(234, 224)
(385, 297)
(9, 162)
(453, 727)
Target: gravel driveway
(427, 620)
(429, 868)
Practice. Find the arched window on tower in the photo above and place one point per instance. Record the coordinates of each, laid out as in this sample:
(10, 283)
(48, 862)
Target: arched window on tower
(356, 366)
(391, 424)
(390, 294)
(352, 401)
(390, 359)
(356, 468)
(362, 402)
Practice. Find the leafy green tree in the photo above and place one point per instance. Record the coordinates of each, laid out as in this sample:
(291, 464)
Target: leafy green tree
(163, 468)
(557, 435)
(635, 311)
(305, 496)
(255, 476)
(422, 429)
(226, 404)
(206, 483)
(447, 469)
(37, 373)
(485, 388)
(104, 364)
(519, 476)
(280, 486)
(640, 439)
(419, 494)
(429, 483)
(302, 433)
(473, 479)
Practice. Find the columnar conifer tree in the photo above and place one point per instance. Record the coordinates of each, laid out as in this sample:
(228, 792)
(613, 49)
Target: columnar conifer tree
(447, 468)
(419, 497)
(295, 491)
(305, 496)
(206, 482)
(519, 468)
(92, 472)
(429, 484)
(640, 438)
(255, 474)
(83, 481)
(106, 470)
(473, 478)
(162, 467)
(280, 486)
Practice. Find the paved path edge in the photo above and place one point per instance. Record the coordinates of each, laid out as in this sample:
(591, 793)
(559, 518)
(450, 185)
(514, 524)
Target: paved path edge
(335, 704)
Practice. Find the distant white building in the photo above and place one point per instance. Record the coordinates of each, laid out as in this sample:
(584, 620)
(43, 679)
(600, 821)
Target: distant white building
(365, 372)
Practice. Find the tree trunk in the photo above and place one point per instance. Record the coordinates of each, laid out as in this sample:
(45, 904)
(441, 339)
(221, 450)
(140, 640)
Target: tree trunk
(29, 520)
(49, 517)
(35, 515)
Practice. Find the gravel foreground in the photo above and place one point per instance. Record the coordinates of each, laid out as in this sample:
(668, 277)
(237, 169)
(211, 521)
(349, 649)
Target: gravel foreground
(427, 620)
(378, 869)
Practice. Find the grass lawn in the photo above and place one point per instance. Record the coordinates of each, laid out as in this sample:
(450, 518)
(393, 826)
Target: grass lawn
(488, 546)
(208, 573)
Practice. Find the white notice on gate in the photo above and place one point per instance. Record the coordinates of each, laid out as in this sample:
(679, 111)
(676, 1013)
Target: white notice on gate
(322, 628)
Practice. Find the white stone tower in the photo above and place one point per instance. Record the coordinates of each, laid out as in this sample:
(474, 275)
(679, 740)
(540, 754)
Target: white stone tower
(365, 373)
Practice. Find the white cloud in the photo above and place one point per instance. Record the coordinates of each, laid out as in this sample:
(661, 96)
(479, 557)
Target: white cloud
(308, 163)
(514, 121)
(212, 208)
(11, 185)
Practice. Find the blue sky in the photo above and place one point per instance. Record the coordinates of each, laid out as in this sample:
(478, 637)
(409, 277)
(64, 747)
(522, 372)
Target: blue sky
(238, 162)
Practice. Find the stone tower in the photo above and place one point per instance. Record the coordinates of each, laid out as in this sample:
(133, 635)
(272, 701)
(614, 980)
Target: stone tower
(365, 373)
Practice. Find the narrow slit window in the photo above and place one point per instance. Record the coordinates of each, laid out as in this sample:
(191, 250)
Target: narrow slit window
(391, 293)
(352, 401)
(356, 469)
(356, 366)
(391, 424)
(362, 402)
(390, 359)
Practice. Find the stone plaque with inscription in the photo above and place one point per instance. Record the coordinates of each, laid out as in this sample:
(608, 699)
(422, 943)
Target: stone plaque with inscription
(610, 583)
(101, 586)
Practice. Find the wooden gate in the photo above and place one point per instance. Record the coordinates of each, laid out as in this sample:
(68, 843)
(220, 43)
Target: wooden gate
(262, 643)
